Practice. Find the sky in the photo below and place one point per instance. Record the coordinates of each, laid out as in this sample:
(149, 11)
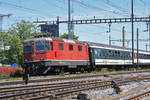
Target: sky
(48, 10)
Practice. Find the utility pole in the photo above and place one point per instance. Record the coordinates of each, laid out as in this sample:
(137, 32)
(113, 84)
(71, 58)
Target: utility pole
(146, 46)
(57, 25)
(109, 40)
(69, 21)
(137, 48)
(1, 19)
(149, 33)
(132, 26)
(123, 37)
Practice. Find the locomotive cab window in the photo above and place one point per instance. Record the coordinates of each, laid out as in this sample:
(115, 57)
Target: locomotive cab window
(42, 46)
(70, 47)
(61, 46)
(79, 48)
(27, 49)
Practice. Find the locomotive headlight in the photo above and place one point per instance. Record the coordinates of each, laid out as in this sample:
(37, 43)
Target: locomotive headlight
(25, 60)
(33, 55)
(41, 58)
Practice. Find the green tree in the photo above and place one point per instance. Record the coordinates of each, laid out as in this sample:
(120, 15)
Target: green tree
(3, 38)
(23, 29)
(65, 35)
(17, 33)
(14, 53)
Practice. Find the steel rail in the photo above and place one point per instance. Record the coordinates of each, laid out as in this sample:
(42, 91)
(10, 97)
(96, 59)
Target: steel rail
(52, 89)
(140, 96)
(66, 78)
(78, 89)
(61, 92)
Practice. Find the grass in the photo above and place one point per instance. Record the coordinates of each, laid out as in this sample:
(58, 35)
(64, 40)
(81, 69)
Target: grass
(13, 79)
(62, 74)
(10, 79)
(6, 77)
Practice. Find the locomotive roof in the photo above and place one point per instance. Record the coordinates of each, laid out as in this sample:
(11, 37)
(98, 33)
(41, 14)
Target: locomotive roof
(45, 37)
(76, 41)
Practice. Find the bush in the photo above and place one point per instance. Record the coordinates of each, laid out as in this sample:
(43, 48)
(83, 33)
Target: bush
(4, 75)
(95, 72)
(104, 70)
(62, 74)
(8, 70)
(17, 73)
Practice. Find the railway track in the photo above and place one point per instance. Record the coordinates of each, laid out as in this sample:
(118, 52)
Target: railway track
(66, 78)
(59, 90)
(140, 96)
(19, 92)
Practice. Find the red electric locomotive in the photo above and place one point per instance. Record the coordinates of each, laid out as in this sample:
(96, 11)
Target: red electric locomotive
(45, 54)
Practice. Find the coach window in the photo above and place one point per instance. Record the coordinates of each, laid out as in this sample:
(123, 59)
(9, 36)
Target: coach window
(119, 54)
(70, 47)
(148, 56)
(110, 53)
(79, 48)
(113, 53)
(116, 53)
(98, 53)
(107, 53)
(144, 56)
(61, 47)
(52, 48)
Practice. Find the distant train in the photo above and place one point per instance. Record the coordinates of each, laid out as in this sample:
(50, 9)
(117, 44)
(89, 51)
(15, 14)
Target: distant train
(43, 55)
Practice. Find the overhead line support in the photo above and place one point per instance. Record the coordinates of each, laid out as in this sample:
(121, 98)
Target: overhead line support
(69, 21)
(98, 21)
(132, 28)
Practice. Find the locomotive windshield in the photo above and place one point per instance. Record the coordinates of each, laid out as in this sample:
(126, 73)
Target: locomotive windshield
(42, 46)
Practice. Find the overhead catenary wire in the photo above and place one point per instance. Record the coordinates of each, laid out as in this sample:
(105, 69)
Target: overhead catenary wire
(98, 8)
(54, 4)
(145, 3)
(142, 2)
(30, 10)
(111, 4)
(123, 10)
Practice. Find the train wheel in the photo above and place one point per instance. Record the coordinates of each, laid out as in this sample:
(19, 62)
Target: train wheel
(40, 70)
(72, 71)
(82, 70)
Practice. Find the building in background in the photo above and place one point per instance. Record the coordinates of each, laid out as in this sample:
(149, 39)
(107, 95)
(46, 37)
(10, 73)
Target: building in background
(52, 29)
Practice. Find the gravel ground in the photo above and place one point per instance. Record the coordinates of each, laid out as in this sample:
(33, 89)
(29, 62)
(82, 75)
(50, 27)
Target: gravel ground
(108, 94)
(139, 92)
